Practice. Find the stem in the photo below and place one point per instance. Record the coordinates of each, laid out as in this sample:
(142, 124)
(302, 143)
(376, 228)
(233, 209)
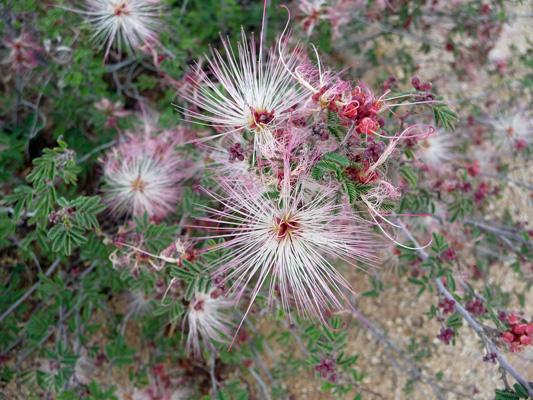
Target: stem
(95, 150)
(506, 178)
(212, 374)
(261, 383)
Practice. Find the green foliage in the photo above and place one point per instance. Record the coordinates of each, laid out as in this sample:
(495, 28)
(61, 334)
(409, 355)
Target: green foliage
(54, 166)
(444, 115)
(455, 320)
(194, 277)
(77, 216)
(408, 173)
(335, 127)
(350, 190)
(59, 162)
(335, 164)
(337, 158)
(504, 395)
(520, 391)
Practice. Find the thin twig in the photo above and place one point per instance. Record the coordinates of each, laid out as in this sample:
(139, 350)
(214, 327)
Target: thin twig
(506, 178)
(212, 374)
(498, 232)
(95, 150)
(261, 383)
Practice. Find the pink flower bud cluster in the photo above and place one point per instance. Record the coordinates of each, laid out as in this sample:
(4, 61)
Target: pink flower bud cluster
(519, 335)
(327, 370)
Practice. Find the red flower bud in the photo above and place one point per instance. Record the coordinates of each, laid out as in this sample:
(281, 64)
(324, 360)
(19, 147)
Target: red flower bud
(508, 337)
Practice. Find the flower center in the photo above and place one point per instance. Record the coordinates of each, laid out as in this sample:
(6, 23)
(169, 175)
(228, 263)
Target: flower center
(425, 144)
(120, 9)
(199, 306)
(260, 118)
(510, 131)
(286, 227)
(138, 185)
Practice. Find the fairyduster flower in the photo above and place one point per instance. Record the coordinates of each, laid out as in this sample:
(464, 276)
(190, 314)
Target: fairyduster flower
(313, 11)
(113, 111)
(336, 12)
(85, 368)
(256, 95)
(129, 23)
(510, 129)
(142, 175)
(207, 319)
(24, 52)
(289, 240)
(139, 304)
(436, 149)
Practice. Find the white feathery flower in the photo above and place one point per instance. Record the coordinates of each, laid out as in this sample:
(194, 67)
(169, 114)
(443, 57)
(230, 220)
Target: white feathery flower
(130, 392)
(207, 318)
(181, 393)
(130, 23)
(85, 368)
(509, 128)
(139, 304)
(246, 93)
(142, 175)
(313, 12)
(289, 241)
(436, 150)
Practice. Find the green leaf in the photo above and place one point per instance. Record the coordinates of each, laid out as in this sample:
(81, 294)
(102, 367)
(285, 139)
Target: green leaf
(362, 188)
(327, 166)
(337, 158)
(317, 173)
(222, 395)
(409, 175)
(189, 292)
(454, 320)
(349, 189)
(520, 391)
(388, 206)
(444, 115)
(334, 125)
(503, 395)
(180, 273)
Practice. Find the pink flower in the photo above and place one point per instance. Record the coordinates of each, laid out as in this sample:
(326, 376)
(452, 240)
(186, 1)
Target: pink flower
(446, 335)
(142, 175)
(474, 169)
(207, 319)
(246, 92)
(514, 319)
(520, 329)
(448, 306)
(288, 240)
(114, 111)
(24, 52)
(449, 254)
(129, 23)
